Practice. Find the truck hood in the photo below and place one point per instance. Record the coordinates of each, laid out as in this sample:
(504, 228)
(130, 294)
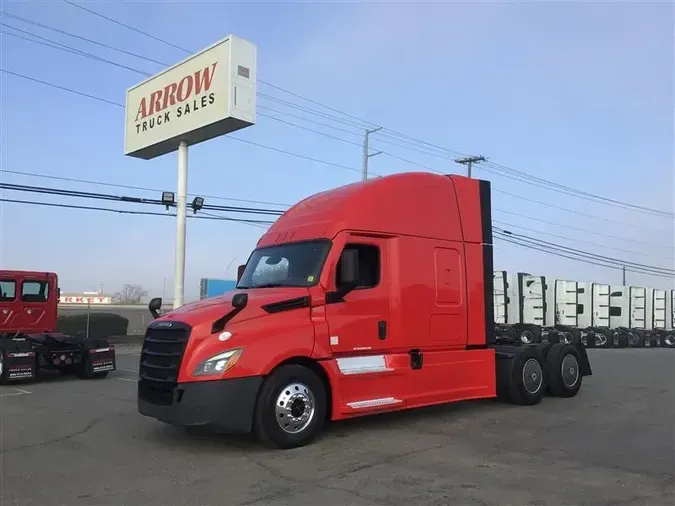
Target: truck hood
(209, 310)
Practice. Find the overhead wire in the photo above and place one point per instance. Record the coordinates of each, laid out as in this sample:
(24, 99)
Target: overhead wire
(576, 240)
(245, 141)
(403, 136)
(279, 150)
(126, 211)
(496, 168)
(550, 251)
(134, 187)
(124, 198)
(594, 256)
(46, 41)
(522, 239)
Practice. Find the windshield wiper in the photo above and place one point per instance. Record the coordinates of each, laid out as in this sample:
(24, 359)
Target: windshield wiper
(268, 285)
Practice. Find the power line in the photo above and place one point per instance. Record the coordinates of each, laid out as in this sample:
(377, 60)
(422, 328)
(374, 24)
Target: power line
(85, 39)
(125, 25)
(467, 161)
(524, 240)
(574, 211)
(325, 162)
(506, 238)
(582, 193)
(309, 129)
(122, 198)
(271, 148)
(574, 239)
(529, 179)
(595, 232)
(594, 256)
(132, 187)
(63, 88)
(125, 211)
(64, 47)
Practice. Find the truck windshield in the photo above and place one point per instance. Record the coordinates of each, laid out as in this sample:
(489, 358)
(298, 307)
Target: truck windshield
(295, 264)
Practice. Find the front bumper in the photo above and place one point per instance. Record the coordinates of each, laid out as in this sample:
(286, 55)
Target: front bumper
(221, 405)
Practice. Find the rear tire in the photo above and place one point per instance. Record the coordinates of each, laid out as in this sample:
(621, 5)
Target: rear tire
(668, 339)
(291, 408)
(563, 372)
(528, 377)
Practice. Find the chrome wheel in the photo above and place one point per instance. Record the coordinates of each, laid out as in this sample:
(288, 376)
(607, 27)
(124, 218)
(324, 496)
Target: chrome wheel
(533, 376)
(569, 370)
(295, 408)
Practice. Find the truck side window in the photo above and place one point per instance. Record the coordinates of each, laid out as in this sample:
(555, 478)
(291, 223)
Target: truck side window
(615, 311)
(7, 290)
(34, 291)
(369, 265)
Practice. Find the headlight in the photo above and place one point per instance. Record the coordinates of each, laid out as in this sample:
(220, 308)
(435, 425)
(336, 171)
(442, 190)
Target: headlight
(218, 364)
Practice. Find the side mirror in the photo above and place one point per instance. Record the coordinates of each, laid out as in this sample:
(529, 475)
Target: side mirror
(240, 272)
(349, 267)
(154, 306)
(349, 276)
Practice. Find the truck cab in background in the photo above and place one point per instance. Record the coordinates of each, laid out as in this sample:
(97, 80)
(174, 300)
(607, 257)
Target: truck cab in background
(29, 340)
(375, 296)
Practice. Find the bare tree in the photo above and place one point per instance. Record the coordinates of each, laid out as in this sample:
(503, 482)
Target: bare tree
(130, 294)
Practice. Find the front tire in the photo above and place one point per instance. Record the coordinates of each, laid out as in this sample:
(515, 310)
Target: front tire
(291, 407)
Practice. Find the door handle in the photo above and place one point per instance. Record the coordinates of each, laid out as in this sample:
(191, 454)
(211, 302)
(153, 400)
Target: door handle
(382, 329)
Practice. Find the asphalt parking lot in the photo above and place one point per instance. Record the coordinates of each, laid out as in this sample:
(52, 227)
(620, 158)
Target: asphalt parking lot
(72, 442)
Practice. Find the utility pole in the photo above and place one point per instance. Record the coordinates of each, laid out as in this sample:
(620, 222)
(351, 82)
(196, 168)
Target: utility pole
(624, 276)
(469, 161)
(366, 154)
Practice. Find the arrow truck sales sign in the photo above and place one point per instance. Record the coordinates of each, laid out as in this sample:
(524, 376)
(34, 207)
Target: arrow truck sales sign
(209, 94)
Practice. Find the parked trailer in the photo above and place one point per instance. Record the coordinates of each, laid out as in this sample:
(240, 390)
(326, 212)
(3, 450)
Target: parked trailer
(351, 305)
(599, 315)
(28, 337)
(536, 313)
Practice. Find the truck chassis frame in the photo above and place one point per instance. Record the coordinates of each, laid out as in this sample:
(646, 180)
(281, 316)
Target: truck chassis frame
(23, 355)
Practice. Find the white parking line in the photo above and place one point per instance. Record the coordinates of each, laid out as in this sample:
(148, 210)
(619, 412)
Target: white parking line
(17, 391)
(126, 379)
(135, 371)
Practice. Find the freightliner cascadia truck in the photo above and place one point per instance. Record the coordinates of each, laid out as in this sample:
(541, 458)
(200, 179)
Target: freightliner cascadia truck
(372, 297)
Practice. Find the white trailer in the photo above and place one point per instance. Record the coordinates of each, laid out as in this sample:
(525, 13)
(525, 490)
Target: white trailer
(534, 312)
(533, 309)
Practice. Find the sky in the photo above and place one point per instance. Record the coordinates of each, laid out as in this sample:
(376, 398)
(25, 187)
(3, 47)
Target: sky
(580, 94)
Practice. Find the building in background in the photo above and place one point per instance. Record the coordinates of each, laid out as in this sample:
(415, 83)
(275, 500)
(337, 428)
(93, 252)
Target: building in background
(85, 298)
(209, 287)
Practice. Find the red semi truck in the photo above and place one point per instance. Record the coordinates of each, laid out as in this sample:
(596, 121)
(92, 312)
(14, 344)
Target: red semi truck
(29, 340)
(371, 297)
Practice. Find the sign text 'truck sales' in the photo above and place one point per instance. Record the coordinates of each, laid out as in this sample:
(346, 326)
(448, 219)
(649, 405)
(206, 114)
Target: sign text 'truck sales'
(207, 95)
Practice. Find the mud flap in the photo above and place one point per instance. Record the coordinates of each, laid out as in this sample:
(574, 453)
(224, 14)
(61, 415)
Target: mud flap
(584, 362)
(102, 358)
(21, 365)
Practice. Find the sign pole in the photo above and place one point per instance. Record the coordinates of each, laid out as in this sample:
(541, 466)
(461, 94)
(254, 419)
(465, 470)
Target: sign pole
(181, 219)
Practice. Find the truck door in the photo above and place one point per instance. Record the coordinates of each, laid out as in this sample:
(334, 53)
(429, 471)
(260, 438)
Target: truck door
(34, 297)
(360, 323)
(8, 288)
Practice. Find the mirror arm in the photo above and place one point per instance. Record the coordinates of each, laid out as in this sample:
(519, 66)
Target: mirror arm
(340, 294)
